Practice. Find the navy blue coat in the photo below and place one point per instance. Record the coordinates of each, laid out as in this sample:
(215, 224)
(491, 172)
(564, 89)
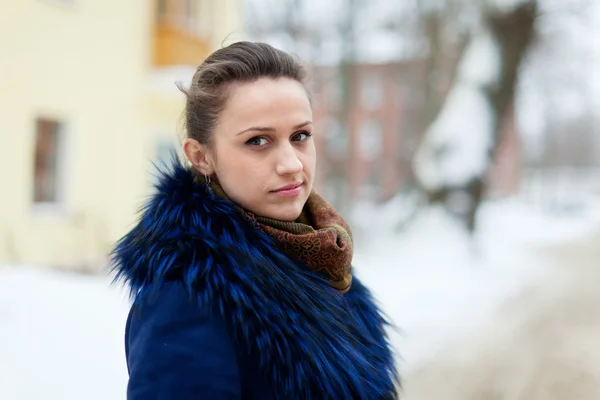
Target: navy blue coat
(220, 313)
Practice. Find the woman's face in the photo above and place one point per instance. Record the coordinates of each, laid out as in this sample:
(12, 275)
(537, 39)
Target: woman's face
(263, 153)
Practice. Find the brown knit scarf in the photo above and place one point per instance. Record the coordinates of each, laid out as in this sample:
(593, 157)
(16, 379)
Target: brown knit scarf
(319, 237)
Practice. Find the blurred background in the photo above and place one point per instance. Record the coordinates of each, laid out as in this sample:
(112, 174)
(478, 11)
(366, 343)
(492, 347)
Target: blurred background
(460, 138)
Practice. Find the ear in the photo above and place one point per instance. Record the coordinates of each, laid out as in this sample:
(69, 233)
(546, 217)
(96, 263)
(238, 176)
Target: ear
(199, 156)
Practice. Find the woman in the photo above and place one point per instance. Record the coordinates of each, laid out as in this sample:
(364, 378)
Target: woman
(240, 272)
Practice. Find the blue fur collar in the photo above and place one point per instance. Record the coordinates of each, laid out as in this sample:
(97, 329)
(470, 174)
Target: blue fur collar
(311, 341)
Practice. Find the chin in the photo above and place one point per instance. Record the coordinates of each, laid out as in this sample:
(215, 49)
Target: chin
(288, 213)
(287, 216)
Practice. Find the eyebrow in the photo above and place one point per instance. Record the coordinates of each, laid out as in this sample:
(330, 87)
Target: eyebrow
(269, 129)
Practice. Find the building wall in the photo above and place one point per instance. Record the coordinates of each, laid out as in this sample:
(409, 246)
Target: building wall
(88, 64)
(227, 23)
(381, 124)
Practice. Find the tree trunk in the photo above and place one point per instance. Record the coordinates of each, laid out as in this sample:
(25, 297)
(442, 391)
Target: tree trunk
(511, 34)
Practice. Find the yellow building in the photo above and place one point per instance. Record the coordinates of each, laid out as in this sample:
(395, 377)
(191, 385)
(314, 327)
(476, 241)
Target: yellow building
(87, 101)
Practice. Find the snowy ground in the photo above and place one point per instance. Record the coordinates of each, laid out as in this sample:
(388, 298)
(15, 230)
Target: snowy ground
(542, 344)
(61, 335)
(437, 286)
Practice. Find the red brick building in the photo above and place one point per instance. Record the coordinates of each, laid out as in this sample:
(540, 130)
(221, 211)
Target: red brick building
(385, 121)
(382, 114)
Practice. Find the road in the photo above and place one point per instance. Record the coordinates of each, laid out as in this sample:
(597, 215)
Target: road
(544, 344)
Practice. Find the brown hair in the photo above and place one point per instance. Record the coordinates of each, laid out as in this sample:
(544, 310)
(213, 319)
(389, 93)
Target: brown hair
(239, 62)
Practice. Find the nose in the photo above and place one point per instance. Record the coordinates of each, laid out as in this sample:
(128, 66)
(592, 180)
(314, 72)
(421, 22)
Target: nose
(288, 162)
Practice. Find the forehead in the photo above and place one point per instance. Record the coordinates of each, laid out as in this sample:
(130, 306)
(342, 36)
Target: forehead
(266, 102)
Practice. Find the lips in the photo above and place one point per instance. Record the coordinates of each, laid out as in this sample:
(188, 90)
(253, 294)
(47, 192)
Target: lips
(291, 190)
(291, 186)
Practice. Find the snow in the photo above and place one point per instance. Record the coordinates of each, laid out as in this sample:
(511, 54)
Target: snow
(456, 146)
(61, 334)
(481, 64)
(437, 285)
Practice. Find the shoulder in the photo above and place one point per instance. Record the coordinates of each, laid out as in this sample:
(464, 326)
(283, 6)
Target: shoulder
(170, 308)
(168, 336)
(159, 299)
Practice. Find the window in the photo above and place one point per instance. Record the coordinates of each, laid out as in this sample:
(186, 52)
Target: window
(181, 12)
(161, 9)
(46, 182)
(335, 94)
(371, 91)
(190, 9)
(371, 138)
(191, 15)
(336, 139)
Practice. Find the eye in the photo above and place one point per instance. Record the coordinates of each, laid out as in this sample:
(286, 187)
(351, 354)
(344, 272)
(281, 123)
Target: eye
(257, 141)
(301, 136)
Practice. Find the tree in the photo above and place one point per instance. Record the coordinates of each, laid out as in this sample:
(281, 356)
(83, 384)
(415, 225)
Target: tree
(459, 143)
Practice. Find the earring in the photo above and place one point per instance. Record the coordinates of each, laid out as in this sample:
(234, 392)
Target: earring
(207, 184)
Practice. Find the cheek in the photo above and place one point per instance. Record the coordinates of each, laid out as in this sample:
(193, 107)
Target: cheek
(240, 173)
(310, 160)
(235, 168)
